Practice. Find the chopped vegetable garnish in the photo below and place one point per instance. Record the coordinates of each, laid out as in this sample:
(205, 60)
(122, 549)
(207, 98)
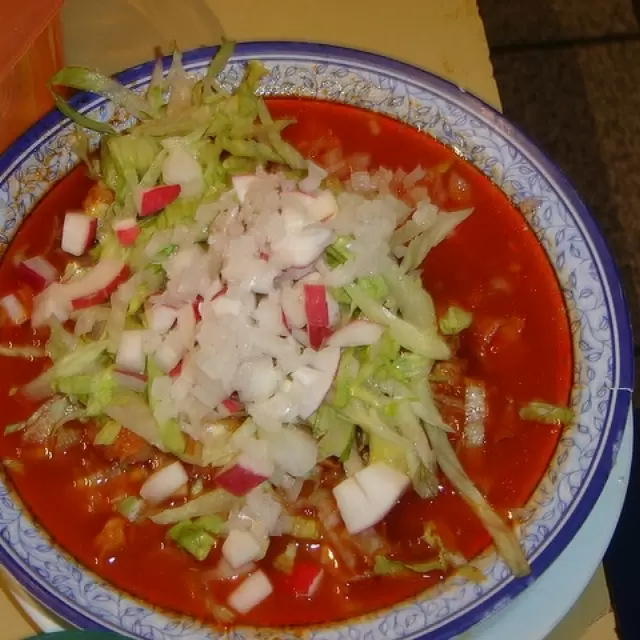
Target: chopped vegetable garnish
(246, 347)
(454, 321)
(547, 413)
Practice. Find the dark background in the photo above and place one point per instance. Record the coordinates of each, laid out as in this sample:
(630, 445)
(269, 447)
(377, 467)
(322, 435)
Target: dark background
(568, 72)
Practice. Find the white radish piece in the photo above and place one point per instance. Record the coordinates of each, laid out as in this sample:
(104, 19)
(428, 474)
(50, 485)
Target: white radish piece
(250, 593)
(293, 305)
(241, 547)
(37, 272)
(178, 341)
(294, 451)
(164, 483)
(366, 498)
(154, 199)
(242, 184)
(244, 473)
(134, 381)
(78, 233)
(312, 382)
(160, 317)
(127, 231)
(14, 309)
(131, 356)
(314, 178)
(359, 333)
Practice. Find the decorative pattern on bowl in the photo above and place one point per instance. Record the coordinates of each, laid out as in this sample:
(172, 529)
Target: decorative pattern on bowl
(599, 322)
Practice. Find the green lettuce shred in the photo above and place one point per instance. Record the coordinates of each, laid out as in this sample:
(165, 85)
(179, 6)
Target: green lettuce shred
(547, 413)
(386, 567)
(454, 321)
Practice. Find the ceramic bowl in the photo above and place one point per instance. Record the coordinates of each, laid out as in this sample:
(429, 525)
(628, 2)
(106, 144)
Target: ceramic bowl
(574, 245)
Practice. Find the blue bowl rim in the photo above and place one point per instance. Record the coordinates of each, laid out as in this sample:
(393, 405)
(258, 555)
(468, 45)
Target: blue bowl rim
(563, 186)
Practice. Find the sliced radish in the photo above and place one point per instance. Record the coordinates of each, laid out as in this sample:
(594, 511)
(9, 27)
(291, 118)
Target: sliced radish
(306, 578)
(317, 312)
(37, 272)
(294, 451)
(14, 309)
(127, 231)
(241, 185)
(135, 381)
(366, 498)
(164, 483)
(176, 371)
(233, 405)
(131, 355)
(255, 589)
(160, 317)
(154, 199)
(244, 473)
(241, 547)
(358, 333)
(78, 232)
(314, 381)
(96, 285)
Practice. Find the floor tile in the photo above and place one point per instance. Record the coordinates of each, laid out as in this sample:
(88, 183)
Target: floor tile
(515, 21)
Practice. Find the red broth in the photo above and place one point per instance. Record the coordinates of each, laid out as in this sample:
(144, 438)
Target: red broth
(519, 345)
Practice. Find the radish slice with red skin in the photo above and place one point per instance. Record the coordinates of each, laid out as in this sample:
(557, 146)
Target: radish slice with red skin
(254, 590)
(131, 355)
(37, 272)
(134, 381)
(315, 305)
(233, 405)
(96, 285)
(176, 371)
(305, 578)
(244, 474)
(242, 184)
(164, 483)
(78, 233)
(14, 309)
(154, 199)
(240, 548)
(359, 333)
(127, 231)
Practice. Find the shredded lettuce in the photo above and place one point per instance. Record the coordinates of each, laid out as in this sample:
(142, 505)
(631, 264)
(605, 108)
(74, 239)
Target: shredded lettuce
(212, 502)
(108, 433)
(454, 321)
(285, 561)
(27, 352)
(193, 538)
(386, 567)
(131, 508)
(547, 413)
(304, 528)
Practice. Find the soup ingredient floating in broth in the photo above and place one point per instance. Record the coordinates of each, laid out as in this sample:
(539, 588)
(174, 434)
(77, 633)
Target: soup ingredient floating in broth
(253, 338)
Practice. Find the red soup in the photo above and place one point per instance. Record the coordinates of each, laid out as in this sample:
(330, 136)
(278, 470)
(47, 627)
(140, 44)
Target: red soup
(517, 347)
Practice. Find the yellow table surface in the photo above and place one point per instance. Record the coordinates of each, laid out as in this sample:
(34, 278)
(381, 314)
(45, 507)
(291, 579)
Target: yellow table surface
(446, 37)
